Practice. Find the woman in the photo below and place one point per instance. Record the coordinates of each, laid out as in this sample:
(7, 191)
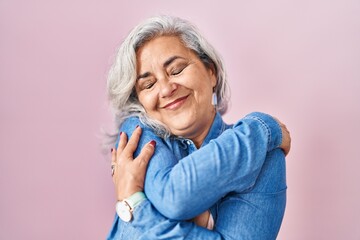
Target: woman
(167, 75)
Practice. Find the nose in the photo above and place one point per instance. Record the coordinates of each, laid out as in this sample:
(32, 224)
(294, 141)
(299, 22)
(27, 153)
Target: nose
(167, 88)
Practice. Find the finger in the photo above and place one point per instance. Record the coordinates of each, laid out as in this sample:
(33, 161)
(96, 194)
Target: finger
(288, 145)
(113, 169)
(122, 142)
(113, 162)
(146, 154)
(283, 126)
(121, 145)
(133, 142)
(113, 156)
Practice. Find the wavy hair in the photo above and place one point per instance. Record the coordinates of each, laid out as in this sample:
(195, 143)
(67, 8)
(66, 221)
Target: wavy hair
(122, 74)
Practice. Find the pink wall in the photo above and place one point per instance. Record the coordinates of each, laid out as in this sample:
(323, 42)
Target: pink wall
(299, 60)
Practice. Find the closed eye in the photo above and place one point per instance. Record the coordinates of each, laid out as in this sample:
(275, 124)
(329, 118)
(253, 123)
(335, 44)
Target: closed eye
(178, 70)
(148, 85)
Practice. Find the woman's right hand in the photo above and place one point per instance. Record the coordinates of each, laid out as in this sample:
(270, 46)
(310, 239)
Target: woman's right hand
(129, 173)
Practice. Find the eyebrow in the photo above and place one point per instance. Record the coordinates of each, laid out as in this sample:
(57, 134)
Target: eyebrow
(165, 65)
(170, 60)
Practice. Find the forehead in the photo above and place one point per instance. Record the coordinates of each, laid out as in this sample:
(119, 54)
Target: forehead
(160, 49)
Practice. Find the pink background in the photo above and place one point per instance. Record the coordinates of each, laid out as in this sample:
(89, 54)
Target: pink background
(298, 60)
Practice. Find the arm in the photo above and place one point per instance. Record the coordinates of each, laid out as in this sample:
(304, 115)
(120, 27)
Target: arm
(147, 223)
(153, 225)
(253, 214)
(228, 163)
(258, 212)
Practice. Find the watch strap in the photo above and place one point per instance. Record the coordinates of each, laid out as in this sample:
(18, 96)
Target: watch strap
(135, 199)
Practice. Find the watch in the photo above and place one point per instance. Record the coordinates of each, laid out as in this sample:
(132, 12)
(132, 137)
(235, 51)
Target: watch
(125, 207)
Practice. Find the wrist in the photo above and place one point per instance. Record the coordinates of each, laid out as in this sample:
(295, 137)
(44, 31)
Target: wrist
(126, 207)
(127, 192)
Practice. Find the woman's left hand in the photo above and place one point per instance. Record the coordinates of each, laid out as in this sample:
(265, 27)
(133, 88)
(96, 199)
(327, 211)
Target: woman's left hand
(286, 138)
(129, 173)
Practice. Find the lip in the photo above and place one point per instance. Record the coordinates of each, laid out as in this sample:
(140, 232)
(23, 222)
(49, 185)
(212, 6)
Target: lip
(176, 103)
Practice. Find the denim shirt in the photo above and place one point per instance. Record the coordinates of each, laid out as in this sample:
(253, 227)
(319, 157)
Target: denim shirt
(238, 173)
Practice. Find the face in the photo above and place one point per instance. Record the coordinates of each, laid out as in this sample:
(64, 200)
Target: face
(175, 87)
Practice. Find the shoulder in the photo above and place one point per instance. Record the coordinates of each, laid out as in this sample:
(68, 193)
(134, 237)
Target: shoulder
(129, 125)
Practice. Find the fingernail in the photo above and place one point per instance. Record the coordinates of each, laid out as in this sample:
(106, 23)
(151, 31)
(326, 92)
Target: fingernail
(137, 126)
(153, 143)
(111, 149)
(120, 133)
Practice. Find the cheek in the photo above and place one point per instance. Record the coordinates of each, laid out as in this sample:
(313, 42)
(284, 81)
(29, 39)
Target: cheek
(148, 101)
(204, 87)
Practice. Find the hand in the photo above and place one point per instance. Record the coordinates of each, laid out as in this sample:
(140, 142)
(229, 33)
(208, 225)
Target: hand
(286, 139)
(202, 219)
(129, 173)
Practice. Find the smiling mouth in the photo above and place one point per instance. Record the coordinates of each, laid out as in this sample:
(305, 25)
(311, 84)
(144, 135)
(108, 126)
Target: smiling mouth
(176, 104)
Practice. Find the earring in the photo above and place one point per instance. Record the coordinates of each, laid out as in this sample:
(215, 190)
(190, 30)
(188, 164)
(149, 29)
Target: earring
(214, 99)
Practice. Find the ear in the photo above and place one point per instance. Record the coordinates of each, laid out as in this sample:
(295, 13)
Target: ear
(213, 75)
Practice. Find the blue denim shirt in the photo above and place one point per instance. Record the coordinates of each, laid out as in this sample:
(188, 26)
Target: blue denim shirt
(238, 173)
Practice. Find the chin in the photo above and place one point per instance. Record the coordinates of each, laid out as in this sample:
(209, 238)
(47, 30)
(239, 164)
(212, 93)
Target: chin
(182, 124)
(183, 129)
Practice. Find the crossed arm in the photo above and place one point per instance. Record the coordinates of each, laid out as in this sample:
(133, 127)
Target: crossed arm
(176, 189)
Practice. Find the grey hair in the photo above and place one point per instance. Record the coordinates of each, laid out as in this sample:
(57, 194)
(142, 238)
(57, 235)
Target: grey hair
(122, 75)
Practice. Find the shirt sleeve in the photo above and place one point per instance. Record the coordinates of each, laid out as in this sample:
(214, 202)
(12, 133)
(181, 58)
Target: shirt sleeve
(148, 223)
(254, 214)
(154, 226)
(180, 189)
(231, 162)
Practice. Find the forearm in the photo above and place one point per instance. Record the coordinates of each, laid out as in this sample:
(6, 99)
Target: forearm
(153, 225)
(231, 162)
(255, 214)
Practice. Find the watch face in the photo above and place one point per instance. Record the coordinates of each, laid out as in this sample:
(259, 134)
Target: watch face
(123, 211)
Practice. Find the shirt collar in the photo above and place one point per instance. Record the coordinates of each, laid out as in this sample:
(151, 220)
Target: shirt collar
(217, 127)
